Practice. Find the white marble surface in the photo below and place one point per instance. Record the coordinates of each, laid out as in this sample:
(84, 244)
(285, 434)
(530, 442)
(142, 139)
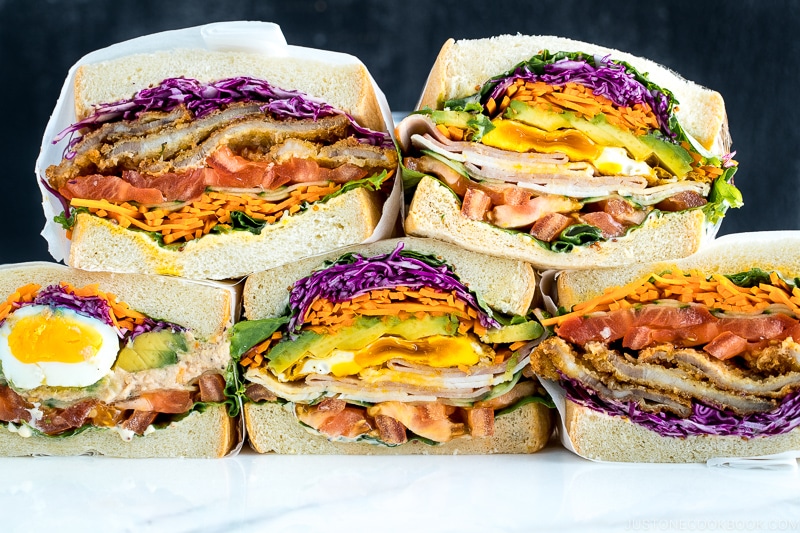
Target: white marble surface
(549, 491)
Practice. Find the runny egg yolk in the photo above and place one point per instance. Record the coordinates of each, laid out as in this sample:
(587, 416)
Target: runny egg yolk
(53, 339)
(437, 351)
(518, 137)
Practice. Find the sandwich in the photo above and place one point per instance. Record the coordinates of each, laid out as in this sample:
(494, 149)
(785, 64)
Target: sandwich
(212, 164)
(405, 346)
(565, 154)
(113, 364)
(681, 361)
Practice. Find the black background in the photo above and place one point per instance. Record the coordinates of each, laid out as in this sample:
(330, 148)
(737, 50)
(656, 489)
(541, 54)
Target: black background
(746, 50)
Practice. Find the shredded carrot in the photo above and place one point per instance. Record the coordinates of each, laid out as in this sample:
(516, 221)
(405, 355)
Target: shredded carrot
(717, 292)
(577, 98)
(26, 293)
(198, 218)
(326, 317)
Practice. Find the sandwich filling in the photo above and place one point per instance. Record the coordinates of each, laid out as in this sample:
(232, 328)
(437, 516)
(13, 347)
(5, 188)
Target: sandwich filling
(389, 348)
(185, 158)
(682, 353)
(567, 148)
(77, 357)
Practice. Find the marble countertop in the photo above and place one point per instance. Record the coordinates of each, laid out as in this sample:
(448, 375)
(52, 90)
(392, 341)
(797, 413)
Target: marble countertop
(553, 490)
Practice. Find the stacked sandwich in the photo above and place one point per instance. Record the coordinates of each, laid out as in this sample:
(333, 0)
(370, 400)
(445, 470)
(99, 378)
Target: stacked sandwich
(170, 161)
(613, 173)
(528, 159)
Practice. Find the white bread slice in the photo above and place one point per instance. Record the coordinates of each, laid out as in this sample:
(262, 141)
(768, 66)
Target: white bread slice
(463, 66)
(436, 212)
(346, 86)
(207, 309)
(504, 284)
(730, 254)
(207, 434)
(350, 218)
(271, 428)
(603, 437)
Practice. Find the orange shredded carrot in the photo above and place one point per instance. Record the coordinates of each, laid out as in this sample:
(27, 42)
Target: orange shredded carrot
(324, 316)
(198, 218)
(718, 292)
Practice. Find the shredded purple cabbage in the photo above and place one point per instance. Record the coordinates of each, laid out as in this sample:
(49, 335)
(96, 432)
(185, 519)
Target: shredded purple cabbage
(94, 307)
(201, 99)
(344, 281)
(704, 420)
(605, 78)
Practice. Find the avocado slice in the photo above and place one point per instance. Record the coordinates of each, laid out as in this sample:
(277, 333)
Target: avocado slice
(153, 349)
(673, 157)
(537, 116)
(524, 331)
(363, 332)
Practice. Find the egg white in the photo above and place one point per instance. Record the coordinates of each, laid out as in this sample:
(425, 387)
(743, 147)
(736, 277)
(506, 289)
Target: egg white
(81, 374)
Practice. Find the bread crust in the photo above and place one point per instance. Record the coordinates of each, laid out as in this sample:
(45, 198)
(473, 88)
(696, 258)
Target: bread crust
(602, 437)
(506, 285)
(463, 66)
(345, 85)
(100, 244)
(773, 251)
(207, 434)
(207, 309)
(272, 428)
(436, 212)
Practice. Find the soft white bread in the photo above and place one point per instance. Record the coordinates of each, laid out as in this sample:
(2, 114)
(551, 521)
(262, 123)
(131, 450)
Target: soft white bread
(505, 285)
(772, 251)
(345, 85)
(602, 437)
(271, 428)
(207, 434)
(206, 309)
(436, 212)
(463, 66)
(350, 218)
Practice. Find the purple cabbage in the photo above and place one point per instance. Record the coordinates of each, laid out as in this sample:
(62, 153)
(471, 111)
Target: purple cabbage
(604, 77)
(704, 420)
(201, 99)
(94, 307)
(354, 275)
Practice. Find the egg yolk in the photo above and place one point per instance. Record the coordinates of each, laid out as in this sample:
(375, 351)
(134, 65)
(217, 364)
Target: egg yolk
(53, 339)
(518, 137)
(436, 351)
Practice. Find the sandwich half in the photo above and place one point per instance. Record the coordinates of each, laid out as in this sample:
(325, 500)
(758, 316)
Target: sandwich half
(681, 361)
(114, 364)
(408, 346)
(211, 164)
(565, 154)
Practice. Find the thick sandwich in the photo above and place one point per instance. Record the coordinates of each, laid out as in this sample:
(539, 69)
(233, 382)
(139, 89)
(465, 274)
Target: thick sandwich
(214, 164)
(405, 346)
(114, 364)
(565, 154)
(682, 361)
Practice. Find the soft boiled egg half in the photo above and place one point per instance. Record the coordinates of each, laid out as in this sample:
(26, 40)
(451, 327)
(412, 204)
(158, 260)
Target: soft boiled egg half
(42, 345)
